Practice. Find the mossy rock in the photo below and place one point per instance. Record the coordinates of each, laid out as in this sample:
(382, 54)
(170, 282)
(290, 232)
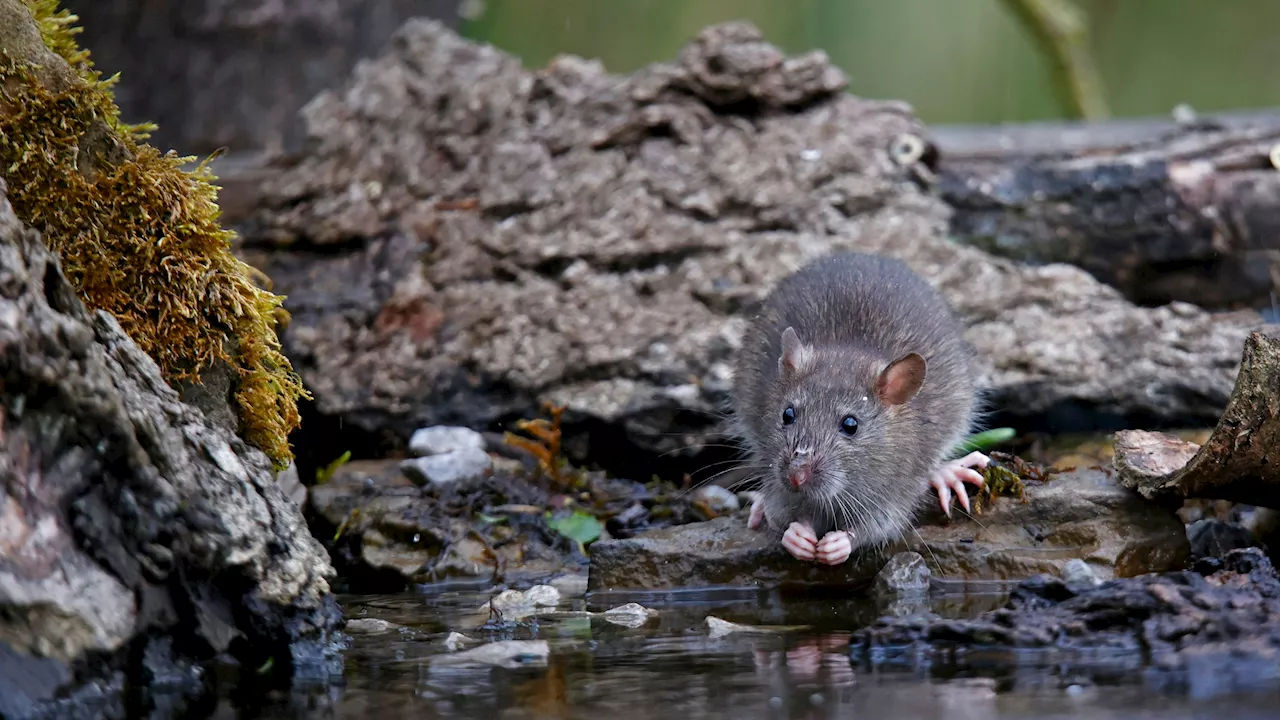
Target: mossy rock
(138, 236)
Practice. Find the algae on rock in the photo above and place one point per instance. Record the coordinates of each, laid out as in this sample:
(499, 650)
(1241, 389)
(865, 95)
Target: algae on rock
(138, 236)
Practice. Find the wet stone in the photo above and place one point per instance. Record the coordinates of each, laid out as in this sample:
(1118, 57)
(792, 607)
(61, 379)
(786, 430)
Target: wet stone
(1077, 571)
(466, 463)
(1076, 515)
(1183, 622)
(1212, 537)
(905, 574)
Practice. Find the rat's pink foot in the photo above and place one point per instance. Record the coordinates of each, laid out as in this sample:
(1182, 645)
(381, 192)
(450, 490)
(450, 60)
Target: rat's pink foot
(952, 476)
(834, 548)
(757, 515)
(800, 541)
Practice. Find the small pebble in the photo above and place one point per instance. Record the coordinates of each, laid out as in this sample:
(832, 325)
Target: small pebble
(369, 626)
(1078, 571)
(719, 500)
(775, 702)
(504, 653)
(505, 600)
(905, 573)
(543, 595)
(456, 641)
(719, 628)
(442, 439)
(448, 469)
(631, 615)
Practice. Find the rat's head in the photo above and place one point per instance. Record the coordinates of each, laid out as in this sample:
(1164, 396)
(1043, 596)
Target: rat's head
(835, 412)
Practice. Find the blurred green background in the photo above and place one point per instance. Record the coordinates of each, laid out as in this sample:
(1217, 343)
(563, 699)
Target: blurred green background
(955, 61)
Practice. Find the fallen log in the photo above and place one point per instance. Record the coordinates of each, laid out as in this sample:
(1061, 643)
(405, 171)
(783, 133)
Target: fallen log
(1161, 211)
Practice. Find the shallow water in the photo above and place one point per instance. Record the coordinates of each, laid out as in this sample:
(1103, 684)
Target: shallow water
(796, 666)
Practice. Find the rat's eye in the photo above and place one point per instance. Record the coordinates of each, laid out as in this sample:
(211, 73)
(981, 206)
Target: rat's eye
(788, 416)
(849, 425)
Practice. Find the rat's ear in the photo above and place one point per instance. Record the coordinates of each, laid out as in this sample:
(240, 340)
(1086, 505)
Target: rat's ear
(795, 354)
(901, 381)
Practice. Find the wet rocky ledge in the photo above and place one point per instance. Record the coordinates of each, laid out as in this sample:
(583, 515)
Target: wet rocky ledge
(1083, 515)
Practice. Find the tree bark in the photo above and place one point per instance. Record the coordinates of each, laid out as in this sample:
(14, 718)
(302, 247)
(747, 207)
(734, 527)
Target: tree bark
(1237, 463)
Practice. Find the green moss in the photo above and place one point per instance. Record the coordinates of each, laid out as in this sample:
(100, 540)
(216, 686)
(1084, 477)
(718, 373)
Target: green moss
(139, 236)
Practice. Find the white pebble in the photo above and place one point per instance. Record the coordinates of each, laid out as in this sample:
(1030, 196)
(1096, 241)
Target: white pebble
(441, 439)
(465, 464)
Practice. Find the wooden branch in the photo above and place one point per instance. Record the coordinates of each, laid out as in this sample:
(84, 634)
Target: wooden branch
(1241, 459)
(1063, 35)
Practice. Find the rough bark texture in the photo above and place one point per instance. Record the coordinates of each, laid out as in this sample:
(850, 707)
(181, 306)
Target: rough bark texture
(1241, 459)
(234, 73)
(463, 238)
(1211, 633)
(1080, 515)
(1185, 214)
(137, 539)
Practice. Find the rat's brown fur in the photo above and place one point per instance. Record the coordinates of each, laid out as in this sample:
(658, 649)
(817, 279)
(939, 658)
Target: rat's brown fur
(855, 314)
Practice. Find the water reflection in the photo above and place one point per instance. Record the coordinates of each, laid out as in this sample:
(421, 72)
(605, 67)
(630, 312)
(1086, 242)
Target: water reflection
(792, 662)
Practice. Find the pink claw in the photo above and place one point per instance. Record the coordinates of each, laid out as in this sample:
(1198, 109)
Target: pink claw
(835, 548)
(800, 541)
(952, 476)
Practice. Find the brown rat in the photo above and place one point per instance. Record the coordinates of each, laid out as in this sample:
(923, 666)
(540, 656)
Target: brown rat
(853, 386)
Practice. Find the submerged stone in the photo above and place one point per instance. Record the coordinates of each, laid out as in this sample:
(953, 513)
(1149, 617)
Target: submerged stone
(1210, 633)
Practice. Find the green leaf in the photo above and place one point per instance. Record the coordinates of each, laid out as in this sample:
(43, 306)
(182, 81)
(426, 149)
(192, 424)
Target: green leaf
(581, 527)
(326, 472)
(986, 439)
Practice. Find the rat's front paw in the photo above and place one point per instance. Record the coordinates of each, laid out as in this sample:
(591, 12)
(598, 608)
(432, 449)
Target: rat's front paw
(835, 548)
(800, 541)
(952, 476)
(757, 515)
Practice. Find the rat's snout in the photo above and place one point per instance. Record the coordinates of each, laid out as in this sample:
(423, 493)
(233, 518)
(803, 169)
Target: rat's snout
(800, 468)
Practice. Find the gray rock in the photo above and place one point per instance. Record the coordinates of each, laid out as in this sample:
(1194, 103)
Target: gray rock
(120, 503)
(291, 485)
(460, 465)
(1212, 537)
(613, 233)
(1077, 571)
(905, 574)
(1073, 515)
(441, 439)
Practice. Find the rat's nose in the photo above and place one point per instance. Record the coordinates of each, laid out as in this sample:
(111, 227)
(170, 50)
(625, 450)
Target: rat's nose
(799, 476)
(800, 471)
